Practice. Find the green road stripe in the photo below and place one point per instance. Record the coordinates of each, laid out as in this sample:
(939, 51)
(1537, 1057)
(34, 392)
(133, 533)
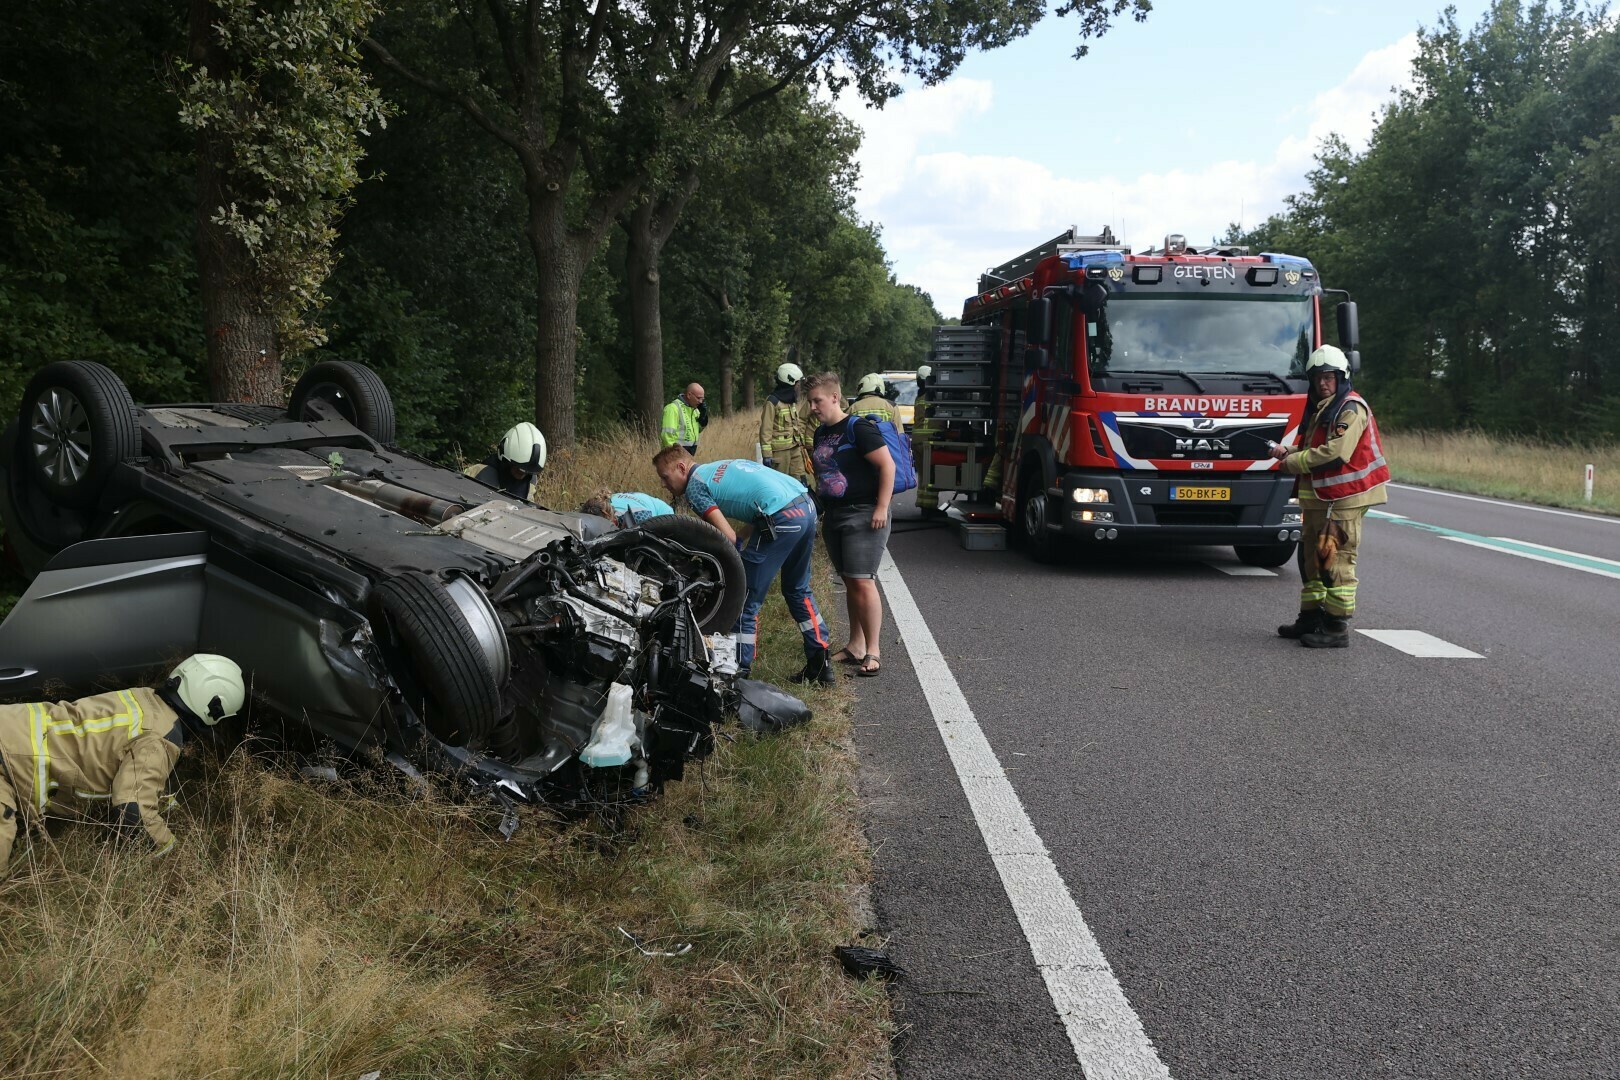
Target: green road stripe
(1591, 564)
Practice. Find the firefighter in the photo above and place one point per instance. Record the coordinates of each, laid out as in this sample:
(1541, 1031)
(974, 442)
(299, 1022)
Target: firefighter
(1343, 463)
(923, 430)
(872, 400)
(684, 418)
(784, 426)
(784, 537)
(626, 509)
(116, 748)
(515, 465)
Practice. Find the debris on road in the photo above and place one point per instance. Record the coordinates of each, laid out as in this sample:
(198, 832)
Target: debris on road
(862, 963)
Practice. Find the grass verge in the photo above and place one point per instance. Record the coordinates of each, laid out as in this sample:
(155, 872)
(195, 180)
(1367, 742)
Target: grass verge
(1508, 468)
(336, 929)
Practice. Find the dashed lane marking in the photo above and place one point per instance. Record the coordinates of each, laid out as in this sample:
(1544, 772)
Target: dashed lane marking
(1418, 643)
(1106, 1033)
(1239, 569)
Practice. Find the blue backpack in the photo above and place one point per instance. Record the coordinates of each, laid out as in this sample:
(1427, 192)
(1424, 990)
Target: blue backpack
(899, 443)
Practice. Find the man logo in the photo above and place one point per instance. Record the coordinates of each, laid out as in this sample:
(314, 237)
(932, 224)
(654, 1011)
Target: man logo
(1203, 423)
(1186, 446)
(1116, 273)
(1291, 276)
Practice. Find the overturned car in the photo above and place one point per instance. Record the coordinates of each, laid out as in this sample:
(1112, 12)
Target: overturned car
(385, 601)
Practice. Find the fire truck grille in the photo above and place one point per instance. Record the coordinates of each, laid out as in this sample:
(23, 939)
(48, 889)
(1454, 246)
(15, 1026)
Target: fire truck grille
(1224, 515)
(1193, 438)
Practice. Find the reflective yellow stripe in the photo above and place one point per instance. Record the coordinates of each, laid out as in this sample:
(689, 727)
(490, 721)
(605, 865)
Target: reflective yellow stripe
(165, 849)
(92, 794)
(42, 755)
(130, 718)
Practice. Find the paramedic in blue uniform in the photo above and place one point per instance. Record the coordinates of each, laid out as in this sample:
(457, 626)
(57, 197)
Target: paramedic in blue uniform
(784, 520)
(626, 509)
(854, 481)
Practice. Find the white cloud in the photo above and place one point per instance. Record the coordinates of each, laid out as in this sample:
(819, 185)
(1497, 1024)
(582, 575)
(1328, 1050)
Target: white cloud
(948, 215)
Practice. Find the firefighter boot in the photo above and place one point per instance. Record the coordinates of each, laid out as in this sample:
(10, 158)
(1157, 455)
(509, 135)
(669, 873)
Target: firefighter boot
(1307, 622)
(817, 669)
(1334, 634)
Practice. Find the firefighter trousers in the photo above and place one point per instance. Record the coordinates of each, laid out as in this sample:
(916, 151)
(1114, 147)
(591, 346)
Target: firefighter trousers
(10, 818)
(1331, 588)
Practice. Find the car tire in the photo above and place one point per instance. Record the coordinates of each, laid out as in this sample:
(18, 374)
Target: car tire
(444, 671)
(1270, 556)
(1033, 506)
(717, 560)
(76, 424)
(353, 391)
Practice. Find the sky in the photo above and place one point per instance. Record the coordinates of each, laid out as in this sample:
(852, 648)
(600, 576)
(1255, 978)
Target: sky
(1210, 112)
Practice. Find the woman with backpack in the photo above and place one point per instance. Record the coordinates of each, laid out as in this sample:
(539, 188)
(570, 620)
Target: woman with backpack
(854, 482)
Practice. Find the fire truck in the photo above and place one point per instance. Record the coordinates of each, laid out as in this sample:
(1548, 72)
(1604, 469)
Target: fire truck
(1129, 398)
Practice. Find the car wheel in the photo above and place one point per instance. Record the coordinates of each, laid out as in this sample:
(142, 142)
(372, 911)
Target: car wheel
(1033, 503)
(713, 559)
(1267, 555)
(77, 424)
(446, 671)
(352, 391)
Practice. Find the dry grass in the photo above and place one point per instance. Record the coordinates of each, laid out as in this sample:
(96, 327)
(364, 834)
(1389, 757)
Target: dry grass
(1509, 468)
(330, 930)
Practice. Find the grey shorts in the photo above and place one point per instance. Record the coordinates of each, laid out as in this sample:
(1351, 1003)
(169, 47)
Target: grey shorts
(853, 545)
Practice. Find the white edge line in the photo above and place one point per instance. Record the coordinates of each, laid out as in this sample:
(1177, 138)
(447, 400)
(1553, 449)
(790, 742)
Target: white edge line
(1107, 1035)
(1538, 558)
(1598, 518)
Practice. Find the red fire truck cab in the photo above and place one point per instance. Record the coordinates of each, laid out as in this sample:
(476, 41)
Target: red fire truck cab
(1130, 398)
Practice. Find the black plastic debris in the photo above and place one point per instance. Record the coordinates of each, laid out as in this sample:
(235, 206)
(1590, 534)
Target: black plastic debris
(766, 709)
(862, 963)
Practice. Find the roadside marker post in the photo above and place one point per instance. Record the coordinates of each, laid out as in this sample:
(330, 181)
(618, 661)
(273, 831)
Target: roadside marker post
(1588, 482)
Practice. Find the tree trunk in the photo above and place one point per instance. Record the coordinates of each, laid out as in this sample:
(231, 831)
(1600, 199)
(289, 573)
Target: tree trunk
(646, 321)
(560, 264)
(242, 347)
(728, 353)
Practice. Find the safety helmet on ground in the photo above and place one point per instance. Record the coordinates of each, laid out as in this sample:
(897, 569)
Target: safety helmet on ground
(523, 447)
(924, 372)
(210, 686)
(1329, 357)
(870, 384)
(789, 373)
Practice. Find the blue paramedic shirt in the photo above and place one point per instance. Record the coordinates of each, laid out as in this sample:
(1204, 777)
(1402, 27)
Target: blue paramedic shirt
(633, 507)
(743, 490)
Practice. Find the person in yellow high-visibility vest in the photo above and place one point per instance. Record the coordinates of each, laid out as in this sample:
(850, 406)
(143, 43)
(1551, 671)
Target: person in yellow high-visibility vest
(684, 418)
(118, 748)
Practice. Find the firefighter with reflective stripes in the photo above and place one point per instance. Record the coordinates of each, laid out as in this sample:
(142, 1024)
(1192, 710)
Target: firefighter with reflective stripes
(923, 430)
(515, 466)
(784, 426)
(1343, 473)
(872, 401)
(61, 758)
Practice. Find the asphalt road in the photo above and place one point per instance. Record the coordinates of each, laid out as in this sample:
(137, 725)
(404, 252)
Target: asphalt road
(1299, 864)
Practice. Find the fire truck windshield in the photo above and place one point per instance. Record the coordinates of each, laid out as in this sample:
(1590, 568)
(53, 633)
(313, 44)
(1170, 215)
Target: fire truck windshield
(1180, 333)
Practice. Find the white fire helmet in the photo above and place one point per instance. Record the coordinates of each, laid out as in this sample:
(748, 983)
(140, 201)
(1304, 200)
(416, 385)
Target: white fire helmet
(870, 384)
(1330, 357)
(924, 372)
(210, 686)
(789, 373)
(523, 447)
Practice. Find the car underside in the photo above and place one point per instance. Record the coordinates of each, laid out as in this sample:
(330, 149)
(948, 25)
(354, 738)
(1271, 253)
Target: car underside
(386, 602)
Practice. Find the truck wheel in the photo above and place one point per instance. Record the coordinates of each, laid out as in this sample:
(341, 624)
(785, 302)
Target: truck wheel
(445, 672)
(713, 559)
(1033, 507)
(1267, 555)
(353, 391)
(78, 424)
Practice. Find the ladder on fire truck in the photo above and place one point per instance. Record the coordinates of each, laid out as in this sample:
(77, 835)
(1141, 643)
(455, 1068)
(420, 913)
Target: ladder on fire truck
(1063, 243)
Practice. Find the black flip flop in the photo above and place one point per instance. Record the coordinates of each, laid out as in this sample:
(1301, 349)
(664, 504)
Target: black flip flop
(850, 658)
(870, 673)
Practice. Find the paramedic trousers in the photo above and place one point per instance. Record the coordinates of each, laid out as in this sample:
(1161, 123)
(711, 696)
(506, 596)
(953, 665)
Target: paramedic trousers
(1334, 591)
(788, 554)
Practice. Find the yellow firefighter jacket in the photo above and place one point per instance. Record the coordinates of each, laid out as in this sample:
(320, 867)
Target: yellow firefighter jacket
(784, 432)
(1340, 444)
(117, 747)
(874, 407)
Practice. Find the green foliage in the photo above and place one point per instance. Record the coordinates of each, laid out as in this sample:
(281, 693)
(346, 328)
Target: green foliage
(286, 112)
(1479, 229)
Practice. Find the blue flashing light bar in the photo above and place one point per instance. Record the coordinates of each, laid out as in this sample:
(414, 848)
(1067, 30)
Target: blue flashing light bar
(1287, 260)
(1095, 258)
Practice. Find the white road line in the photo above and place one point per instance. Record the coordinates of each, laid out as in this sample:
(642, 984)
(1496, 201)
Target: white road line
(1538, 558)
(1560, 551)
(1106, 1033)
(1417, 643)
(1239, 569)
(1597, 518)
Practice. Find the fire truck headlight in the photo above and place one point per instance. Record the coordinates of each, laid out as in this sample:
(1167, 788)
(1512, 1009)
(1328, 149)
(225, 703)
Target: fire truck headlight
(1096, 515)
(1089, 495)
(1293, 517)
